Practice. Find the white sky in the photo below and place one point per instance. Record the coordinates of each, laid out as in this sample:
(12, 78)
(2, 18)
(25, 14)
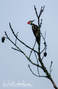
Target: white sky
(13, 65)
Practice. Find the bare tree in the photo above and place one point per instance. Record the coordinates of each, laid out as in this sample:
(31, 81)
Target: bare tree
(40, 54)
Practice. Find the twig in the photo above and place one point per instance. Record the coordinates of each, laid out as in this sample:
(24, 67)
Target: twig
(16, 38)
(35, 11)
(51, 67)
(18, 49)
(42, 37)
(38, 16)
(42, 50)
(41, 11)
(20, 40)
(42, 57)
(32, 71)
(27, 57)
(32, 48)
(35, 73)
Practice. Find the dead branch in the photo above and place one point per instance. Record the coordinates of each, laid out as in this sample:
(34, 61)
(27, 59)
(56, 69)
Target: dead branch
(32, 48)
(37, 75)
(36, 53)
(20, 40)
(19, 50)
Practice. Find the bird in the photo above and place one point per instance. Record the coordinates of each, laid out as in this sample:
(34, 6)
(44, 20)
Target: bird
(36, 30)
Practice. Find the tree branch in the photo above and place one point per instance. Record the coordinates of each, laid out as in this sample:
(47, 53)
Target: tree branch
(32, 48)
(39, 60)
(37, 75)
(18, 49)
(41, 11)
(20, 40)
(36, 11)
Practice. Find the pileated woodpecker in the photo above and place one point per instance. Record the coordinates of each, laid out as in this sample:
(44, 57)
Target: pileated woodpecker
(36, 30)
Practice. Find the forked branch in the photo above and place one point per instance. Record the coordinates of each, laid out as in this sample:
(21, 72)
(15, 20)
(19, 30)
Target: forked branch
(36, 53)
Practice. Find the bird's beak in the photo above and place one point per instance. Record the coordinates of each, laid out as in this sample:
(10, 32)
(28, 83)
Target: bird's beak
(32, 20)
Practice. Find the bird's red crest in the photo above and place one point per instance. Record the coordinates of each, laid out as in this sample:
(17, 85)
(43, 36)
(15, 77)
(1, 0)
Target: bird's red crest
(28, 22)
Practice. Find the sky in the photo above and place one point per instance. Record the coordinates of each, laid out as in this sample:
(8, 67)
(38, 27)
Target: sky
(14, 71)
